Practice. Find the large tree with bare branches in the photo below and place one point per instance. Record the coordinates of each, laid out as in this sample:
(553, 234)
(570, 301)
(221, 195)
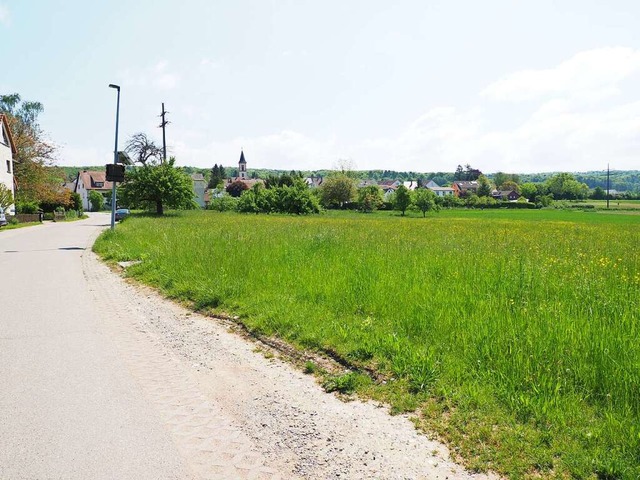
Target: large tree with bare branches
(143, 149)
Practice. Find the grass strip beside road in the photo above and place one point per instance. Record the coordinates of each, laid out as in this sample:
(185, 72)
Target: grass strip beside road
(514, 335)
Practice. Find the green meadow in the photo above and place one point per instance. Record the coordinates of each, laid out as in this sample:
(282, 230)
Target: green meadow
(513, 335)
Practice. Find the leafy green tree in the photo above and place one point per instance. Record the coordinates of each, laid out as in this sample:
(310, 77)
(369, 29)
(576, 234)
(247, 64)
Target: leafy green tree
(297, 199)
(564, 186)
(223, 202)
(217, 176)
(484, 186)
(450, 201)
(506, 181)
(76, 202)
(158, 187)
(402, 199)
(510, 185)
(236, 188)
(598, 193)
(37, 178)
(370, 198)
(96, 200)
(425, 200)
(337, 190)
(6, 197)
(258, 199)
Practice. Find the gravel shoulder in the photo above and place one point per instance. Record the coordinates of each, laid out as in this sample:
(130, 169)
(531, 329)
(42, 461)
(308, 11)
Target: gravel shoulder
(236, 414)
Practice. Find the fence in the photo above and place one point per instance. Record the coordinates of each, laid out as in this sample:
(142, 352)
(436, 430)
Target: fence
(28, 217)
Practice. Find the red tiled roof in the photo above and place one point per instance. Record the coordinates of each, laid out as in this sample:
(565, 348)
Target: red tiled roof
(92, 178)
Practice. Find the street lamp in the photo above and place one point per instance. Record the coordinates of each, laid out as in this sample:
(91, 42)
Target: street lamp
(115, 159)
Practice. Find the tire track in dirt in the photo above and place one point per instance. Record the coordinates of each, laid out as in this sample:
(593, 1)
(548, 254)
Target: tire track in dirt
(211, 444)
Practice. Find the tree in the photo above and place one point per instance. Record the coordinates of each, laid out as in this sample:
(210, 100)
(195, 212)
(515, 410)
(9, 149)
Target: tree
(509, 185)
(236, 188)
(6, 197)
(425, 200)
(402, 199)
(36, 177)
(217, 176)
(156, 187)
(96, 200)
(484, 186)
(296, 199)
(143, 149)
(337, 190)
(598, 193)
(564, 186)
(505, 181)
(532, 191)
(370, 198)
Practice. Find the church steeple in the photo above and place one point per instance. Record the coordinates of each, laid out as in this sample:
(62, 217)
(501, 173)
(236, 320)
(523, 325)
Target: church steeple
(242, 167)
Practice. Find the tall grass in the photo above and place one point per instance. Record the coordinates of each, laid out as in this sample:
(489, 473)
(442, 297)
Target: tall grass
(517, 332)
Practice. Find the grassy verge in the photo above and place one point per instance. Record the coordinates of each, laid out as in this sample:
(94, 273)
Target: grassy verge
(513, 334)
(13, 226)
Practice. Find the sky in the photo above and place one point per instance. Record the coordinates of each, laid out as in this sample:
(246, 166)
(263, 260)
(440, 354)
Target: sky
(416, 85)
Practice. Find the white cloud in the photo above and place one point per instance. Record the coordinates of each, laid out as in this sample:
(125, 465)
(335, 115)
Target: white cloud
(5, 16)
(578, 120)
(593, 72)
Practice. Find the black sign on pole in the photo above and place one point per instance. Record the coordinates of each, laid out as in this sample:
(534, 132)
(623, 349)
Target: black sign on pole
(115, 173)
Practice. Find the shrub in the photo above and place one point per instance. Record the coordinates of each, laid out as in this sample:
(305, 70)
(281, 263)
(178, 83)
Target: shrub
(223, 203)
(27, 207)
(96, 200)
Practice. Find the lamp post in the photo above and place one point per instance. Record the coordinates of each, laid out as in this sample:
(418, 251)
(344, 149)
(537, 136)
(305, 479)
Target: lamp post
(115, 159)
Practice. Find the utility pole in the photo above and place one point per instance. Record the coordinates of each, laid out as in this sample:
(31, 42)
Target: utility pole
(607, 186)
(164, 138)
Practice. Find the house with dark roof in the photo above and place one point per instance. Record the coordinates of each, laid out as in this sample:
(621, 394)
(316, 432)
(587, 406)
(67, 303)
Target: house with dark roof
(461, 189)
(507, 195)
(7, 152)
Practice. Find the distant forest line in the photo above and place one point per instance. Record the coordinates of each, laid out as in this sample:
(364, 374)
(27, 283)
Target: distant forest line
(620, 180)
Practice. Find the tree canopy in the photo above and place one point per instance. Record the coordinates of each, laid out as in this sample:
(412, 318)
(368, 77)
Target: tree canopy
(402, 199)
(337, 190)
(157, 187)
(37, 179)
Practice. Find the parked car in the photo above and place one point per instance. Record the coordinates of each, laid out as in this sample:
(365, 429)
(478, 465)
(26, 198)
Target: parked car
(122, 213)
(3, 218)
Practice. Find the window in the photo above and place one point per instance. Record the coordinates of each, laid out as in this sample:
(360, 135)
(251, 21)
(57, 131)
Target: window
(4, 136)
(8, 166)
(99, 184)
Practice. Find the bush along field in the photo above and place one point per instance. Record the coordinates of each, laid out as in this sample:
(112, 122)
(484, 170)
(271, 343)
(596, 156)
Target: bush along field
(514, 336)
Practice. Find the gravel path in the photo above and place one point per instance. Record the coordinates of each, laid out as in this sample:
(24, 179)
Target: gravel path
(283, 418)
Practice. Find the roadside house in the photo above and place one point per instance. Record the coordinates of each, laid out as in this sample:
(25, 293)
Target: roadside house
(89, 180)
(7, 151)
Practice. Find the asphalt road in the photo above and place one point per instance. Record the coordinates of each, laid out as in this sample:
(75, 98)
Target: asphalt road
(68, 406)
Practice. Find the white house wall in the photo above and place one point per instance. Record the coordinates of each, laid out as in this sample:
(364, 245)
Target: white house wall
(6, 174)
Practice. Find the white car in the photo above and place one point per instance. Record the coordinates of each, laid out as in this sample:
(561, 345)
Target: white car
(3, 218)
